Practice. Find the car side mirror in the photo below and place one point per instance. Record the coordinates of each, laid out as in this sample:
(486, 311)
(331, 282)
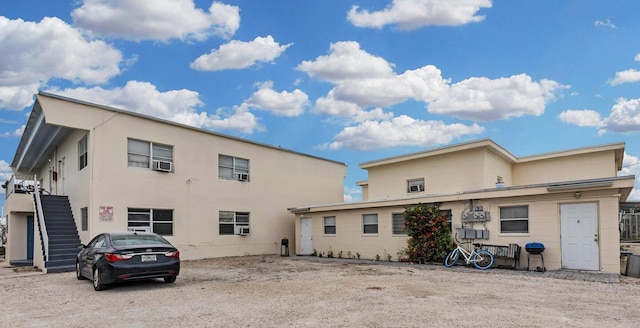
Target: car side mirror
(81, 246)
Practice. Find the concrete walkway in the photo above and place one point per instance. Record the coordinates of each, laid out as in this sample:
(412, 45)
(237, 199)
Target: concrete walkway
(7, 271)
(592, 276)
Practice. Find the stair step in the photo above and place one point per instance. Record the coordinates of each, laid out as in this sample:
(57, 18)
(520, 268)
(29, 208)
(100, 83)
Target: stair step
(60, 269)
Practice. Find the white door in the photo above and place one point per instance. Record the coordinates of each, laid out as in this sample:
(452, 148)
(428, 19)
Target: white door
(579, 234)
(306, 245)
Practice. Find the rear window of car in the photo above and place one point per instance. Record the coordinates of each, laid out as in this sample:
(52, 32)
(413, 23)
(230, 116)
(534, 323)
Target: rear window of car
(137, 240)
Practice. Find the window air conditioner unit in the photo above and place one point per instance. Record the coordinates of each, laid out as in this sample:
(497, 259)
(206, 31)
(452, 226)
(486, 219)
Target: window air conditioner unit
(243, 177)
(163, 166)
(242, 231)
(414, 188)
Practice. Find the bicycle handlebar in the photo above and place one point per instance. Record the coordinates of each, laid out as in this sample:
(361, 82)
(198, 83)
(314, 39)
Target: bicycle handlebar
(466, 242)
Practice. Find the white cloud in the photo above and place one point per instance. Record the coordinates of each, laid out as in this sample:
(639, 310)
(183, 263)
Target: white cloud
(5, 174)
(413, 14)
(400, 131)
(637, 57)
(343, 109)
(14, 134)
(583, 118)
(34, 53)
(483, 99)
(605, 23)
(624, 117)
(346, 61)
(5, 171)
(352, 194)
(631, 166)
(156, 20)
(281, 103)
(174, 105)
(627, 76)
(369, 81)
(238, 54)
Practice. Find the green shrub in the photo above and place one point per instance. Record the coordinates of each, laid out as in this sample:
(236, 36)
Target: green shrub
(429, 234)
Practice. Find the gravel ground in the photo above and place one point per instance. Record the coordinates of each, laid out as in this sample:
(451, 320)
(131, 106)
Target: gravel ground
(273, 291)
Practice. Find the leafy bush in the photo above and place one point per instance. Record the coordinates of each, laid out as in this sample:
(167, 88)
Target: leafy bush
(430, 237)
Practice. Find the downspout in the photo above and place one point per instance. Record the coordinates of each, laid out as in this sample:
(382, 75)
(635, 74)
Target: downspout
(43, 227)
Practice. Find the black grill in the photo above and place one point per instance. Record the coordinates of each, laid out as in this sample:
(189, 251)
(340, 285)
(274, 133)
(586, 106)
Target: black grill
(534, 248)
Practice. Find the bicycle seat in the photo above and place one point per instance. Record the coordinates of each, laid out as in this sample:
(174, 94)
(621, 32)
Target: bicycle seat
(477, 244)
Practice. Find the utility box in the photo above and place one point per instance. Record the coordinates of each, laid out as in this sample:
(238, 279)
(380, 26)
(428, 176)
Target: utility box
(633, 266)
(475, 216)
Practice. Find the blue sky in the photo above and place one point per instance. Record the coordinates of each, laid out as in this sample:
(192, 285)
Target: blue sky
(351, 81)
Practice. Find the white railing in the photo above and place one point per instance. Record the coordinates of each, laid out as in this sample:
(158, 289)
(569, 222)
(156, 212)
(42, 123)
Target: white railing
(629, 226)
(43, 227)
(20, 185)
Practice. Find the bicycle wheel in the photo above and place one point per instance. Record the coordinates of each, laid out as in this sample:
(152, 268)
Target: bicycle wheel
(451, 258)
(482, 259)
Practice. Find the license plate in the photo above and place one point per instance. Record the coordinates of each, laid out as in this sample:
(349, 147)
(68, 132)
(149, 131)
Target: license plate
(148, 258)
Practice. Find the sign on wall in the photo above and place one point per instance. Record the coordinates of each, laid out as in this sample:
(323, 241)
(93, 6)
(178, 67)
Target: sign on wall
(106, 214)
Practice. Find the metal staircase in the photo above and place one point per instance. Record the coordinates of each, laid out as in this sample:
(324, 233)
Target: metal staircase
(63, 239)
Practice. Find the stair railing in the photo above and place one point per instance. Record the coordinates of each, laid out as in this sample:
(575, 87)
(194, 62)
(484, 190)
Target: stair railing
(43, 227)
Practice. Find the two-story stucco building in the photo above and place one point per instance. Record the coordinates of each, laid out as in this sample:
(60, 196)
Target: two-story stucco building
(567, 200)
(209, 194)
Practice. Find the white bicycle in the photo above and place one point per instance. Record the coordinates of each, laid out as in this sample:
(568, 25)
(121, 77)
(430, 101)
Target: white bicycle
(481, 259)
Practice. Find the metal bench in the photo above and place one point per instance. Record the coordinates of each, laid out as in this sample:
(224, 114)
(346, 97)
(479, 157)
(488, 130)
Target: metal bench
(510, 254)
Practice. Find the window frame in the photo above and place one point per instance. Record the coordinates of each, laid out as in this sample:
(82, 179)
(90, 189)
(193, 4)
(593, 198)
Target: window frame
(365, 224)
(84, 219)
(155, 218)
(83, 153)
(329, 225)
(419, 183)
(236, 166)
(154, 154)
(234, 223)
(506, 220)
(395, 229)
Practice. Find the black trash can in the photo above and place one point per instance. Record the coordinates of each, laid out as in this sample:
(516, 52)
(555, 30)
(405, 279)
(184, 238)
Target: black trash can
(284, 247)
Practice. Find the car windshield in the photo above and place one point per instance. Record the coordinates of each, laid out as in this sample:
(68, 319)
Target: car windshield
(132, 240)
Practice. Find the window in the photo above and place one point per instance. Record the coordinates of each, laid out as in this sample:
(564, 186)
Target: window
(83, 159)
(144, 153)
(398, 224)
(84, 214)
(416, 185)
(514, 219)
(233, 168)
(159, 221)
(448, 215)
(329, 225)
(370, 223)
(230, 220)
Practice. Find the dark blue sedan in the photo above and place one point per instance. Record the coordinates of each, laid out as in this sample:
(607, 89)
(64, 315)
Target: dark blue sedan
(124, 256)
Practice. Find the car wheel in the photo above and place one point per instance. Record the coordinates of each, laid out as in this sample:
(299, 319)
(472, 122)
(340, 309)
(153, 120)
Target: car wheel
(170, 280)
(79, 275)
(96, 280)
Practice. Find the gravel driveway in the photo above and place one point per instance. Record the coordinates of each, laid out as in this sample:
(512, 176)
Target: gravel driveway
(273, 291)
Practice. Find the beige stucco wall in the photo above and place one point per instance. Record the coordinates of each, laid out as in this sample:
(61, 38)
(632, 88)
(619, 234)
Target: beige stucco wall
(544, 227)
(279, 179)
(16, 247)
(444, 173)
(566, 168)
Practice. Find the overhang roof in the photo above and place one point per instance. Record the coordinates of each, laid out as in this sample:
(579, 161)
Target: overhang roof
(38, 141)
